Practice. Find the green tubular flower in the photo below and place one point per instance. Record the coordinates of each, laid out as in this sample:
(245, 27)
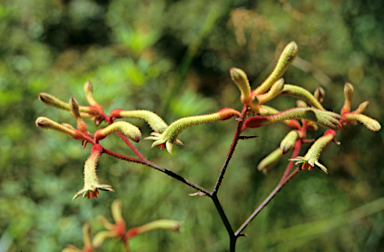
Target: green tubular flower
(126, 128)
(294, 124)
(46, 123)
(171, 225)
(348, 94)
(289, 141)
(287, 56)
(91, 182)
(116, 230)
(319, 94)
(368, 122)
(154, 121)
(169, 136)
(311, 159)
(74, 108)
(275, 90)
(51, 100)
(301, 93)
(323, 118)
(240, 78)
(269, 161)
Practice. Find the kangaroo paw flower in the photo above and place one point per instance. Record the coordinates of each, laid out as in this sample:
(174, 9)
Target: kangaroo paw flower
(126, 128)
(46, 123)
(240, 78)
(91, 182)
(169, 136)
(311, 159)
(323, 118)
(154, 121)
(301, 93)
(287, 56)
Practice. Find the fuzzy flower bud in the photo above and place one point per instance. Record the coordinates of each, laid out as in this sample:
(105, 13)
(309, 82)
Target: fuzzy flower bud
(46, 123)
(301, 93)
(286, 58)
(241, 80)
(88, 91)
(169, 136)
(348, 93)
(368, 122)
(319, 94)
(154, 121)
(126, 128)
(323, 118)
(74, 108)
(158, 224)
(275, 90)
(51, 100)
(362, 108)
(269, 161)
(289, 141)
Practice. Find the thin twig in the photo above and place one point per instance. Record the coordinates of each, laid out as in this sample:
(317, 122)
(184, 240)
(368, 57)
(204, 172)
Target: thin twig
(266, 201)
(231, 150)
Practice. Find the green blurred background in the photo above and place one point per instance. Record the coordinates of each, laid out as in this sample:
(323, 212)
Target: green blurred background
(173, 57)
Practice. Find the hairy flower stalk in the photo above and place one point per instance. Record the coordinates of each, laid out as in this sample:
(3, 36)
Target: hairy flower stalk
(323, 118)
(91, 182)
(169, 136)
(46, 123)
(240, 78)
(126, 128)
(286, 58)
(301, 93)
(154, 121)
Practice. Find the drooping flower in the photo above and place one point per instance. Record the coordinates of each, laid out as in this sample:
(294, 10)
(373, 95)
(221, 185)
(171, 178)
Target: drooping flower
(91, 182)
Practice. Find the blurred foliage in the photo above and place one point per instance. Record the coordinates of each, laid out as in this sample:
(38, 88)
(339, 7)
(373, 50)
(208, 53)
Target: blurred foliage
(173, 57)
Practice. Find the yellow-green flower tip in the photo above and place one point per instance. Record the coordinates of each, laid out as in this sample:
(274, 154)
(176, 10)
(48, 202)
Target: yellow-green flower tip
(319, 94)
(126, 128)
(88, 91)
(50, 100)
(269, 161)
(286, 58)
(289, 141)
(46, 123)
(348, 93)
(368, 122)
(241, 80)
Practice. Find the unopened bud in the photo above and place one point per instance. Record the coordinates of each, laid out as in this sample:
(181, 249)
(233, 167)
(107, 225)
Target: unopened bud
(289, 141)
(88, 91)
(303, 94)
(275, 90)
(269, 161)
(50, 100)
(362, 108)
(158, 224)
(126, 128)
(286, 58)
(241, 80)
(319, 94)
(348, 93)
